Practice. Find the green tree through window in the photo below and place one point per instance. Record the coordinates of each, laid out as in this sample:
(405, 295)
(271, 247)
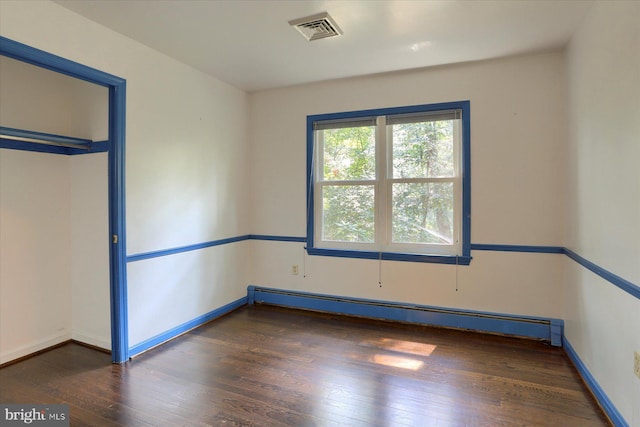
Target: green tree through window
(390, 182)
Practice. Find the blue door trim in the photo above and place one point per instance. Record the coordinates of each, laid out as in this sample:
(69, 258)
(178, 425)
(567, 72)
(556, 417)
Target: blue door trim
(117, 101)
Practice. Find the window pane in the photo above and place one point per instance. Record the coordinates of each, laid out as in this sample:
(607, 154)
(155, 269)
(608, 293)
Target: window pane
(423, 213)
(348, 213)
(349, 153)
(423, 150)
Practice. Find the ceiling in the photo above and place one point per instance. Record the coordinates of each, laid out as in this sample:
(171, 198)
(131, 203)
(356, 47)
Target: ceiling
(249, 43)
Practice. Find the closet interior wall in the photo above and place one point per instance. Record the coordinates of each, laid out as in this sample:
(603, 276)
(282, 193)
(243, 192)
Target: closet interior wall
(54, 259)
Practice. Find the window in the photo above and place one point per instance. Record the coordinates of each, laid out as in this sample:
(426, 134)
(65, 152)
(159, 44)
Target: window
(390, 183)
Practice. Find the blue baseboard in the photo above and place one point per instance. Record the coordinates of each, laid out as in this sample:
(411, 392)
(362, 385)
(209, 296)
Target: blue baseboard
(185, 327)
(609, 408)
(531, 327)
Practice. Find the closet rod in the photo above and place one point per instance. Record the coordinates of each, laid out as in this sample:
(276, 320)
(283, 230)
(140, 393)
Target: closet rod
(44, 138)
(41, 141)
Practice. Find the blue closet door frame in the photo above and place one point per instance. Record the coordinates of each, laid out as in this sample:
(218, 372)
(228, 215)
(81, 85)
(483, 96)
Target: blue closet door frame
(116, 168)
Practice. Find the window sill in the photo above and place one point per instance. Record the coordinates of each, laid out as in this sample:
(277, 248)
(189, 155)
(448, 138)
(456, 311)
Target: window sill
(392, 256)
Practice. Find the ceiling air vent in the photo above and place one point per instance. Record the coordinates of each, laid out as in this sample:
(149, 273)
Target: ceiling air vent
(315, 27)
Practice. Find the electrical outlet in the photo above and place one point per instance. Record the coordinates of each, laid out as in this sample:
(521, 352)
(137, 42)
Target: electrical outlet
(294, 269)
(636, 363)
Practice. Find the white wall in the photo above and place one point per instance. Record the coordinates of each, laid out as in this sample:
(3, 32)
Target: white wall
(28, 91)
(35, 248)
(602, 321)
(517, 157)
(41, 100)
(90, 298)
(59, 231)
(186, 151)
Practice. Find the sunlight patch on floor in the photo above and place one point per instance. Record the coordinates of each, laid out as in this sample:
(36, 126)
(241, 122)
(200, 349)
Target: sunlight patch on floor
(396, 361)
(401, 346)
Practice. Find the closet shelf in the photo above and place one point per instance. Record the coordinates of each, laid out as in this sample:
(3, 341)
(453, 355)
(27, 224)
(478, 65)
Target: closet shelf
(44, 138)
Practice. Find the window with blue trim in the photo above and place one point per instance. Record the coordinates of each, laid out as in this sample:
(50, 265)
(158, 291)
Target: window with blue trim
(390, 183)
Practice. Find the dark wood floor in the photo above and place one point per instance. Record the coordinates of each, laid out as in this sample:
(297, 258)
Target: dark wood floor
(268, 366)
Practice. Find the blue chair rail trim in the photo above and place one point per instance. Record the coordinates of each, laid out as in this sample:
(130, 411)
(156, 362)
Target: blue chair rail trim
(518, 248)
(623, 284)
(607, 405)
(277, 238)
(194, 247)
(188, 248)
(523, 326)
(186, 327)
(612, 278)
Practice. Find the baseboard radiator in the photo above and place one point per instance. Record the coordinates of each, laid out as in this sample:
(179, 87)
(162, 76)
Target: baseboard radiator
(544, 329)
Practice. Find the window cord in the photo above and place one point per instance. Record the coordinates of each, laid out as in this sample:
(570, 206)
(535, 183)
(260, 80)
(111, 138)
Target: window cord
(457, 272)
(380, 269)
(304, 262)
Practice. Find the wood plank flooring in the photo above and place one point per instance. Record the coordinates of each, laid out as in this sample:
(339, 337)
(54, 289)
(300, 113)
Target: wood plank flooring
(270, 366)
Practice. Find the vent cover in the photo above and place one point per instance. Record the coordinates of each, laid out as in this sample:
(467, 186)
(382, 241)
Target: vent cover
(316, 27)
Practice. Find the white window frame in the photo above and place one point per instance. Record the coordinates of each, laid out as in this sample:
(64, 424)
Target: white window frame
(383, 247)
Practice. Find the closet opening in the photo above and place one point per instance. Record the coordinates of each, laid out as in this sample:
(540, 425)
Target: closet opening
(106, 159)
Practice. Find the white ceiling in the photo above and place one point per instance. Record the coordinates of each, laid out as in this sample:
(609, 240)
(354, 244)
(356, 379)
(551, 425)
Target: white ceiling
(249, 43)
